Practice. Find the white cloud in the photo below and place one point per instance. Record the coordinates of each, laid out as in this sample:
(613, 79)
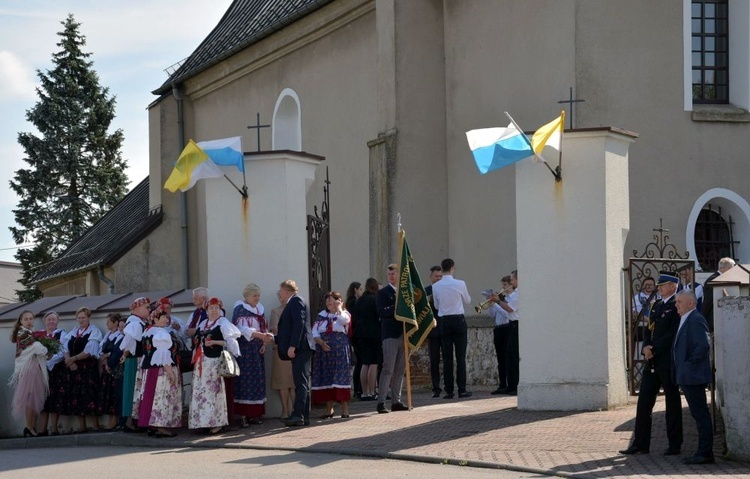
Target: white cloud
(18, 80)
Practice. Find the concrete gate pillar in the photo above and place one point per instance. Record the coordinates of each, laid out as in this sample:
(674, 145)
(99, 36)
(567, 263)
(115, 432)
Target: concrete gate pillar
(570, 240)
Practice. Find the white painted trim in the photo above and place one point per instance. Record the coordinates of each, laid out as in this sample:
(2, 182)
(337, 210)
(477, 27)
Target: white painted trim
(687, 57)
(731, 197)
(287, 92)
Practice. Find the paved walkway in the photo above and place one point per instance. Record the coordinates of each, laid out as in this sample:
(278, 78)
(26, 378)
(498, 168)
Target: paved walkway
(481, 431)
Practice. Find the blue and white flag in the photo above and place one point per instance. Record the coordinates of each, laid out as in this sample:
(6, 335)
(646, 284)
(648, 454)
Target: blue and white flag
(225, 152)
(495, 148)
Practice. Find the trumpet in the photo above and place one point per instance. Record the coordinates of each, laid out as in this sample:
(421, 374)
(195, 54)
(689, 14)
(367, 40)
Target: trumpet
(482, 306)
(486, 303)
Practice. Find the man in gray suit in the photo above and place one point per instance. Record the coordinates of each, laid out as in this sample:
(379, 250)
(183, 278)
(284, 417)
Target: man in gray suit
(692, 371)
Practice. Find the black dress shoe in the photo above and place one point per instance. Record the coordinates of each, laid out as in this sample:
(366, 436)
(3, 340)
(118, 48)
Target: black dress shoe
(634, 450)
(499, 391)
(381, 408)
(672, 451)
(293, 422)
(699, 460)
(398, 407)
(448, 396)
(436, 393)
(512, 392)
(465, 394)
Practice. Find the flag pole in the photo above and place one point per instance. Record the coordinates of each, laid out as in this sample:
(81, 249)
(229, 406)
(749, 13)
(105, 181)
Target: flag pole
(558, 170)
(401, 235)
(242, 191)
(557, 178)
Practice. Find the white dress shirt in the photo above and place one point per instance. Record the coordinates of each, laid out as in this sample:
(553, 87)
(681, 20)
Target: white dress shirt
(512, 300)
(450, 295)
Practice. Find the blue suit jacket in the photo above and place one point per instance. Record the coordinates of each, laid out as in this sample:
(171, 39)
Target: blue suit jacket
(691, 352)
(294, 328)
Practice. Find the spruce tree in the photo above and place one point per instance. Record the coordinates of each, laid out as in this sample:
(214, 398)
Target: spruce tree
(76, 171)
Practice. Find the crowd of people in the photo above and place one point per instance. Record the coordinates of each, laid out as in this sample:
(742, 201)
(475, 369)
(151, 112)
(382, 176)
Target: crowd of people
(132, 374)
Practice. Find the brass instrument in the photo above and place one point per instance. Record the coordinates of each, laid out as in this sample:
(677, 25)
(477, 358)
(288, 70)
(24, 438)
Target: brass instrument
(482, 306)
(486, 303)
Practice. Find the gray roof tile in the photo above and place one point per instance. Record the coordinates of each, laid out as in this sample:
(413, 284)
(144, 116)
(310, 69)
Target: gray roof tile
(244, 23)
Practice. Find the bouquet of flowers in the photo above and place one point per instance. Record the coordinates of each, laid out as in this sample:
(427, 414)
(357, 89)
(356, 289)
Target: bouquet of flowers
(53, 345)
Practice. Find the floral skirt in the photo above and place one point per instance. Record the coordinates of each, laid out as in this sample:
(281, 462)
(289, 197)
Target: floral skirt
(208, 404)
(56, 389)
(79, 396)
(107, 403)
(161, 399)
(331, 376)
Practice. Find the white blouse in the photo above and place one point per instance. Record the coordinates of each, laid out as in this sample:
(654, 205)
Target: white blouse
(59, 356)
(228, 330)
(92, 345)
(162, 342)
(340, 323)
(246, 323)
(111, 336)
(133, 334)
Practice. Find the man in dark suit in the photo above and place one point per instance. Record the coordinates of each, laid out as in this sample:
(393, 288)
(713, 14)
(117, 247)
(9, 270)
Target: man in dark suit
(433, 338)
(657, 349)
(295, 343)
(692, 371)
(725, 264)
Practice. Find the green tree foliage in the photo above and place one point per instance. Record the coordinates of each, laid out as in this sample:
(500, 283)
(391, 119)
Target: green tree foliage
(76, 171)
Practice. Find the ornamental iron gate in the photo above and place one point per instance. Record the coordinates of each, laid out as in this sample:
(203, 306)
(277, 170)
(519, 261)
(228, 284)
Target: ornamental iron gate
(319, 253)
(658, 255)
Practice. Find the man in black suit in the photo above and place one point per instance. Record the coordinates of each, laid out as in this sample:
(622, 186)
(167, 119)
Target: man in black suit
(295, 343)
(657, 349)
(725, 264)
(692, 371)
(434, 339)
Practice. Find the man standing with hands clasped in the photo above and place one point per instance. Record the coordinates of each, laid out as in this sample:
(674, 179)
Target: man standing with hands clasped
(450, 295)
(692, 371)
(657, 349)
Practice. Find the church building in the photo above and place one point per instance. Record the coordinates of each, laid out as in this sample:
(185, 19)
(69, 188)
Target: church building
(382, 92)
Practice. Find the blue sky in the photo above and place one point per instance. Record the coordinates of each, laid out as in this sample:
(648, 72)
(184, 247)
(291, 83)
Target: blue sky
(131, 42)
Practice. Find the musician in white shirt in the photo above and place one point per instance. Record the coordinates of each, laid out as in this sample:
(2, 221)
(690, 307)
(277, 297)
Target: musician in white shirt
(450, 295)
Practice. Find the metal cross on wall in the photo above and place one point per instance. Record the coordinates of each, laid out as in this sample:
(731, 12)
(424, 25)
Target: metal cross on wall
(257, 127)
(570, 102)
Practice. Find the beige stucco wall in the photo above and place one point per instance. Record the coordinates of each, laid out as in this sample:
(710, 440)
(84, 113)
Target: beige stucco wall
(630, 71)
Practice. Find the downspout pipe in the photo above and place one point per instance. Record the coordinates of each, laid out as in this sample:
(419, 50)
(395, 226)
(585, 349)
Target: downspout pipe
(110, 284)
(183, 195)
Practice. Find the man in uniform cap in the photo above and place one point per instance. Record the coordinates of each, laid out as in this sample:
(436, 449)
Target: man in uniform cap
(657, 349)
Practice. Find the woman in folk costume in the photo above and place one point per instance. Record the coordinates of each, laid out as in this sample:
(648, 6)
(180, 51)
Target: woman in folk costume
(281, 371)
(107, 404)
(331, 381)
(161, 394)
(208, 404)
(29, 374)
(81, 351)
(56, 370)
(250, 386)
(132, 352)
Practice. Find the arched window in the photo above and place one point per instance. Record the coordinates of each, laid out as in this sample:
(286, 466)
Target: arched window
(287, 122)
(718, 226)
(713, 237)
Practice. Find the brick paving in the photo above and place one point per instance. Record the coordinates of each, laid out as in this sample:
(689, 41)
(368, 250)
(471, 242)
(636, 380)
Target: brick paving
(481, 431)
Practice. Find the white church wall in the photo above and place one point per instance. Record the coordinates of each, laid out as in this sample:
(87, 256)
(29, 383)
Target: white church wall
(733, 347)
(570, 332)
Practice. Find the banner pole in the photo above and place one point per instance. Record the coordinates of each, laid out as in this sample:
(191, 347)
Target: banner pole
(407, 356)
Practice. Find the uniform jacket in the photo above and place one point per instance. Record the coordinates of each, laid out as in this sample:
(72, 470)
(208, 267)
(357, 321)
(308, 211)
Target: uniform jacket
(665, 321)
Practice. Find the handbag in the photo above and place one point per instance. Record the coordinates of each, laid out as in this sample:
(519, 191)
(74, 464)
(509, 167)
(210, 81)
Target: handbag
(228, 366)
